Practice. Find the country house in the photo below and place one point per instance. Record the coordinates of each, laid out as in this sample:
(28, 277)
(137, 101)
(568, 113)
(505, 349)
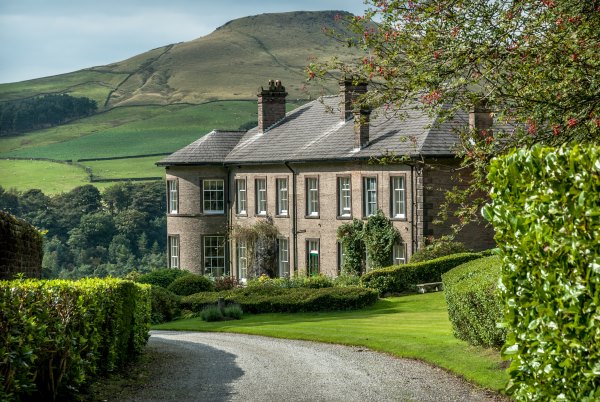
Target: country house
(311, 170)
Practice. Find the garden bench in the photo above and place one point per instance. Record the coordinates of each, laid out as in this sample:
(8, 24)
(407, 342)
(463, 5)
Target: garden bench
(430, 287)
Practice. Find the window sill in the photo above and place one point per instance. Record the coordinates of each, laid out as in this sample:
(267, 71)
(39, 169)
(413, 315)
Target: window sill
(312, 217)
(282, 216)
(344, 217)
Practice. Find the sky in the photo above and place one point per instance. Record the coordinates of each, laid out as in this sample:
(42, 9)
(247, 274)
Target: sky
(39, 38)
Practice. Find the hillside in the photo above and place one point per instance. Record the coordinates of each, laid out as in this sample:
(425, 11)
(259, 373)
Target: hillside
(230, 63)
(158, 101)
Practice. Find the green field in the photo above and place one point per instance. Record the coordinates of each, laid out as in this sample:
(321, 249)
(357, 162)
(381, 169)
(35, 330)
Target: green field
(50, 177)
(126, 168)
(415, 326)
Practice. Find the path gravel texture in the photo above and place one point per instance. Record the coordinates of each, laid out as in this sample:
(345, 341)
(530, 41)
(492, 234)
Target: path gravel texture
(233, 367)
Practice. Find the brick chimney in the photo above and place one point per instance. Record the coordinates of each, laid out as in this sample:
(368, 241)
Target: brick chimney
(271, 105)
(480, 118)
(361, 127)
(350, 90)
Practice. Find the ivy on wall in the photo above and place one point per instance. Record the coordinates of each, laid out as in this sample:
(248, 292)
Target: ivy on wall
(261, 247)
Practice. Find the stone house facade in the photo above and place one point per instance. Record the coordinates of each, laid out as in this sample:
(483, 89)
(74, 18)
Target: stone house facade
(311, 170)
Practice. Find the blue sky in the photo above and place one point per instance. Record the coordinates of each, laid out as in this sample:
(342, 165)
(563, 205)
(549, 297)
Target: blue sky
(39, 38)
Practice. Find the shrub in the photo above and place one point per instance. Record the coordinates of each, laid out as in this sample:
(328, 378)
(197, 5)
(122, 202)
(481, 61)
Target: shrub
(162, 277)
(57, 334)
(233, 311)
(190, 284)
(165, 305)
(225, 283)
(545, 209)
(211, 313)
(343, 281)
(312, 282)
(403, 278)
(268, 299)
(474, 305)
(437, 250)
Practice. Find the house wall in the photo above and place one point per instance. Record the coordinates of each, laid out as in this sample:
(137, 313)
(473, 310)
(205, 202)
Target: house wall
(439, 176)
(190, 224)
(324, 227)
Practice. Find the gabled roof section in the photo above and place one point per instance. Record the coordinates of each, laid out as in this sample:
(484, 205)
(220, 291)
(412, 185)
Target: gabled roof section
(314, 132)
(210, 149)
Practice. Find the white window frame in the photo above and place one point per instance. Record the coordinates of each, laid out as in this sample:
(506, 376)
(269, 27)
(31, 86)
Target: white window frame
(240, 197)
(344, 196)
(282, 196)
(173, 196)
(312, 196)
(242, 260)
(369, 195)
(261, 196)
(173, 251)
(312, 250)
(399, 254)
(398, 201)
(210, 244)
(213, 196)
(284, 258)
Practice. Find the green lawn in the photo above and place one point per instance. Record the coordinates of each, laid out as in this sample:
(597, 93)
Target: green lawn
(50, 177)
(413, 326)
(126, 168)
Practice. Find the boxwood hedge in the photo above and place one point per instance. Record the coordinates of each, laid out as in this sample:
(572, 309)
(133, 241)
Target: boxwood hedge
(474, 305)
(273, 299)
(402, 278)
(55, 335)
(545, 209)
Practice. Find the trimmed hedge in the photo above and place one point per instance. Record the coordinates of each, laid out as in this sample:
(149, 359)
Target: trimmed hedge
(189, 284)
(56, 335)
(268, 299)
(21, 248)
(545, 209)
(437, 250)
(312, 282)
(474, 305)
(403, 278)
(165, 305)
(162, 277)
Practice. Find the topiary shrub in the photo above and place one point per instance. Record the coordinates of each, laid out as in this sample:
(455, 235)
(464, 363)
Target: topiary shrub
(189, 284)
(437, 250)
(165, 305)
(545, 210)
(403, 278)
(474, 304)
(162, 277)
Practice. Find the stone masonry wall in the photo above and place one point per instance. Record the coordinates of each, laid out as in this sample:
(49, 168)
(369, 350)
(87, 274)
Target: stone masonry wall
(20, 248)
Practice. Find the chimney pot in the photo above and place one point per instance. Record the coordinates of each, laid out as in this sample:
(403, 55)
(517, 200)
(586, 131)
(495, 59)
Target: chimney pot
(351, 89)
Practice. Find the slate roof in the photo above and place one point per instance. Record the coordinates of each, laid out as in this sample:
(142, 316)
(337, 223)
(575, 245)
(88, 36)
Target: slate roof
(315, 132)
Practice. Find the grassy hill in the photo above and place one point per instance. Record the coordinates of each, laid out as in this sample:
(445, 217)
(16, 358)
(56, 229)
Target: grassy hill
(163, 99)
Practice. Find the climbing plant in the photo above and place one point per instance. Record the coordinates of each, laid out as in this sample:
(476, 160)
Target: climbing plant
(261, 246)
(376, 236)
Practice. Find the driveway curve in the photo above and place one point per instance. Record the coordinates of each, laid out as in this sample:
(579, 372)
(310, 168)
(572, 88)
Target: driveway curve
(217, 367)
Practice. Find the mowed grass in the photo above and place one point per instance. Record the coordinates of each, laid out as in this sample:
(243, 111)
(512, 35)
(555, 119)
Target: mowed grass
(50, 177)
(126, 168)
(415, 326)
(165, 130)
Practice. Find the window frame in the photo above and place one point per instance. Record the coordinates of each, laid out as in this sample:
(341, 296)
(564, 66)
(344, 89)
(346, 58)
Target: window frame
(399, 246)
(280, 211)
(341, 197)
(242, 256)
(341, 256)
(281, 262)
(172, 196)
(365, 194)
(238, 200)
(258, 200)
(310, 194)
(309, 270)
(397, 192)
(171, 256)
(206, 256)
(210, 199)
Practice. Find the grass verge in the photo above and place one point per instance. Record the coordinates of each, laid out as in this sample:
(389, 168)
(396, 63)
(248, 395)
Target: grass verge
(415, 326)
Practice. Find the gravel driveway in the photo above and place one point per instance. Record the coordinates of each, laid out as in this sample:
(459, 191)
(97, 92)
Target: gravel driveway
(231, 367)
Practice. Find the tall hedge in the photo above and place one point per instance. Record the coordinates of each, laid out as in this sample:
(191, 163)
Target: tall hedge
(546, 211)
(474, 304)
(56, 335)
(21, 249)
(402, 278)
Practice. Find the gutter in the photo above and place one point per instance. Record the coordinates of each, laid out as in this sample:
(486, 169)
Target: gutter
(294, 217)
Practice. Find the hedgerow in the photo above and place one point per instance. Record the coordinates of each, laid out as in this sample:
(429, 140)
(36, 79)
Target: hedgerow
(162, 277)
(474, 305)
(269, 299)
(403, 278)
(55, 335)
(191, 283)
(545, 209)
(437, 250)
